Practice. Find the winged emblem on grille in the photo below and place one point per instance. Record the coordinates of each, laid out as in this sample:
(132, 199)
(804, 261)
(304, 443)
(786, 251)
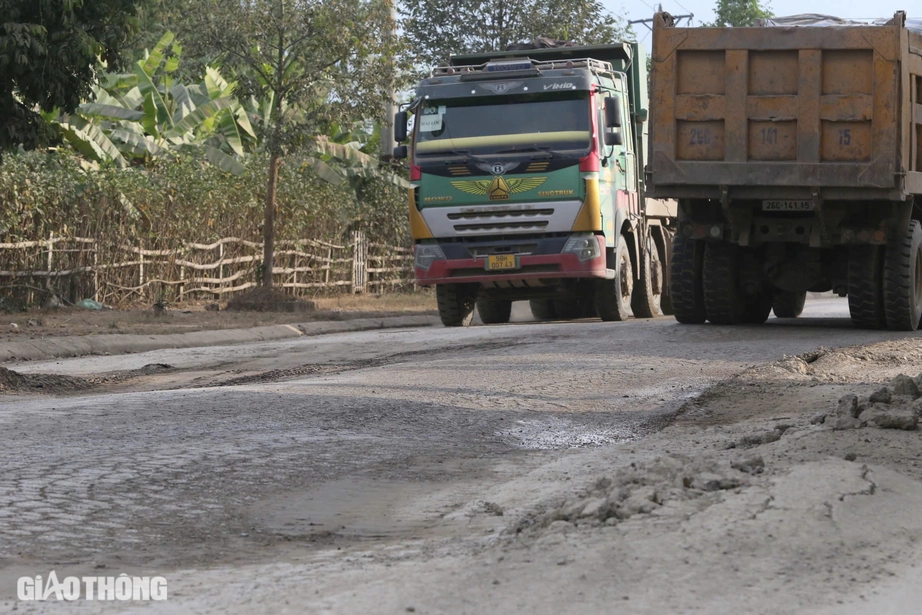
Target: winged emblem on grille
(497, 168)
(499, 188)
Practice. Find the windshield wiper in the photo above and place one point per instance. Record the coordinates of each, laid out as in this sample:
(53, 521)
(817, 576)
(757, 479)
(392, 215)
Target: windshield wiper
(531, 148)
(456, 153)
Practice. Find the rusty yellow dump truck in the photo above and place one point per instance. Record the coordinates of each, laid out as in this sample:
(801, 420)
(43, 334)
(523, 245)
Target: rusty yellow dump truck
(793, 148)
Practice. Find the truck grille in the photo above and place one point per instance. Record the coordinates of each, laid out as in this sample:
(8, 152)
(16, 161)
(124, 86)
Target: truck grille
(521, 220)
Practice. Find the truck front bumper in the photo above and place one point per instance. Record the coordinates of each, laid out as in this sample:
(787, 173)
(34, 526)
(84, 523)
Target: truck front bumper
(533, 266)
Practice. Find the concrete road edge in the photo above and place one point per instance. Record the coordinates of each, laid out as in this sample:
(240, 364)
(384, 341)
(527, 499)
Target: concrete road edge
(118, 343)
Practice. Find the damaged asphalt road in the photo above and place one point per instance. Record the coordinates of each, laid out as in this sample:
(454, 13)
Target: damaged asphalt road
(459, 458)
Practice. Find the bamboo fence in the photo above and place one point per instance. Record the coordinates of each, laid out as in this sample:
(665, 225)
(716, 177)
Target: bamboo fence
(78, 267)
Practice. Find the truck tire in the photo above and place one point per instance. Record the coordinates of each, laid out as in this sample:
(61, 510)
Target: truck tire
(685, 286)
(902, 296)
(788, 305)
(757, 308)
(865, 287)
(456, 304)
(542, 309)
(665, 303)
(613, 297)
(723, 298)
(648, 294)
(494, 311)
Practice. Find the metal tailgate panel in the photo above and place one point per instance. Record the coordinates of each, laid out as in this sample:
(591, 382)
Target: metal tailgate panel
(776, 106)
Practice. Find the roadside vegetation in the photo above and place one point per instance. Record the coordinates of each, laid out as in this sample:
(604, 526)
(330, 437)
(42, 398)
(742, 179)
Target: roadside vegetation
(168, 121)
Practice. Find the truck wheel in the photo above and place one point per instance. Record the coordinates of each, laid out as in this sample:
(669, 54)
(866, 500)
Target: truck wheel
(542, 309)
(494, 311)
(456, 304)
(665, 303)
(788, 305)
(757, 308)
(685, 286)
(648, 294)
(865, 287)
(723, 298)
(613, 297)
(903, 280)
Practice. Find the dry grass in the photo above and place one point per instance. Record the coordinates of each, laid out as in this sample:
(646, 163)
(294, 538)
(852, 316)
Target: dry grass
(194, 317)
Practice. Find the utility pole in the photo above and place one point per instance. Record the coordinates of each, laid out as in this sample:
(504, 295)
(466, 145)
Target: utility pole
(387, 129)
(659, 8)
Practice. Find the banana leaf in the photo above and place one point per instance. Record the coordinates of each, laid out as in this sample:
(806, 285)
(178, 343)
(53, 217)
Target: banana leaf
(198, 116)
(153, 61)
(110, 112)
(226, 163)
(135, 144)
(90, 141)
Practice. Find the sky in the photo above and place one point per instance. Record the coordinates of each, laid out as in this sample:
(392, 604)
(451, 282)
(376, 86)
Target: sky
(703, 10)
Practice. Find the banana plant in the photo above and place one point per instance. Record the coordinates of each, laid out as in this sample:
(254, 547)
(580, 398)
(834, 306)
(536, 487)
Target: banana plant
(345, 153)
(138, 116)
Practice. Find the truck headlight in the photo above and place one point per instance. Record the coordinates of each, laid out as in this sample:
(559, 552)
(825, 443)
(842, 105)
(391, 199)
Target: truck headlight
(426, 254)
(585, 247)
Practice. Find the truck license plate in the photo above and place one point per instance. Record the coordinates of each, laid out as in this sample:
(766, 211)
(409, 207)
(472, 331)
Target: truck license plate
(502, 261)
(804, 205)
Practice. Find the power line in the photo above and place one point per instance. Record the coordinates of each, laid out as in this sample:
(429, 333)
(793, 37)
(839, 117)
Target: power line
(681, 6)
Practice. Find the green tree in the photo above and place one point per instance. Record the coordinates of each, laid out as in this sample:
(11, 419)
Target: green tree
(315, 63)
(50, 51)
(739, 13)
(436, 29)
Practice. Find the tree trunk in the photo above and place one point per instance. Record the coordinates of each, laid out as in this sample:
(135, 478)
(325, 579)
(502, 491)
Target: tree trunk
(269, 226)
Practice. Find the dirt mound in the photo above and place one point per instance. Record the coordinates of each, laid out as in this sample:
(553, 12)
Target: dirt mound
(644, 488)
(262, 299)
(14, 382)
(897, 406)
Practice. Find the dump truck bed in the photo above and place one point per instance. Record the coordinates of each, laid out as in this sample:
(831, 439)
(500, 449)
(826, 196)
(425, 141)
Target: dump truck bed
(779, 110)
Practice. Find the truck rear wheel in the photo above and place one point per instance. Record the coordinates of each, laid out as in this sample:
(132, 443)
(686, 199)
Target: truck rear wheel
(685, 286)
(542, 309)
(662, 254)
(902, 296)
(613, 297)
(865, 286)
(456, 304)
(788, 305)
(647, 298)
(723, 297)
(494, 311)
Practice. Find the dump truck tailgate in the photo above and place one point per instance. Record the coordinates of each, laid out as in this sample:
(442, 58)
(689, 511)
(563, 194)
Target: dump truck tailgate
(786, 107)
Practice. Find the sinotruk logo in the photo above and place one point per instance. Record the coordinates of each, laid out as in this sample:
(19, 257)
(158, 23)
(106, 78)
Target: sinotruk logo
(122, 587)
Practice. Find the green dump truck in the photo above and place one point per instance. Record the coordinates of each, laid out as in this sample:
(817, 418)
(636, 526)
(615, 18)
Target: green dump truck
(527, 184)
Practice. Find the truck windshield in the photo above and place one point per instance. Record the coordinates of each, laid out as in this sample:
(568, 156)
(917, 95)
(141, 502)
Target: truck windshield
(558, 122)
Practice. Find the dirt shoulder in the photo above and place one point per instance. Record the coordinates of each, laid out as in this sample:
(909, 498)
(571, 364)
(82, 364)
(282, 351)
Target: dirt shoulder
(77, 332)
(141, 320)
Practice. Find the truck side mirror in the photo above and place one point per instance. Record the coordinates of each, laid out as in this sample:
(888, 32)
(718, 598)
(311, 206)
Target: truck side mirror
(400, 126)
(613, 137)
(400, 152)
(612, 112)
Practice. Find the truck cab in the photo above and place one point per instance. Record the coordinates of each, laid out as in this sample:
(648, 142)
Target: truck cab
(527, 185)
